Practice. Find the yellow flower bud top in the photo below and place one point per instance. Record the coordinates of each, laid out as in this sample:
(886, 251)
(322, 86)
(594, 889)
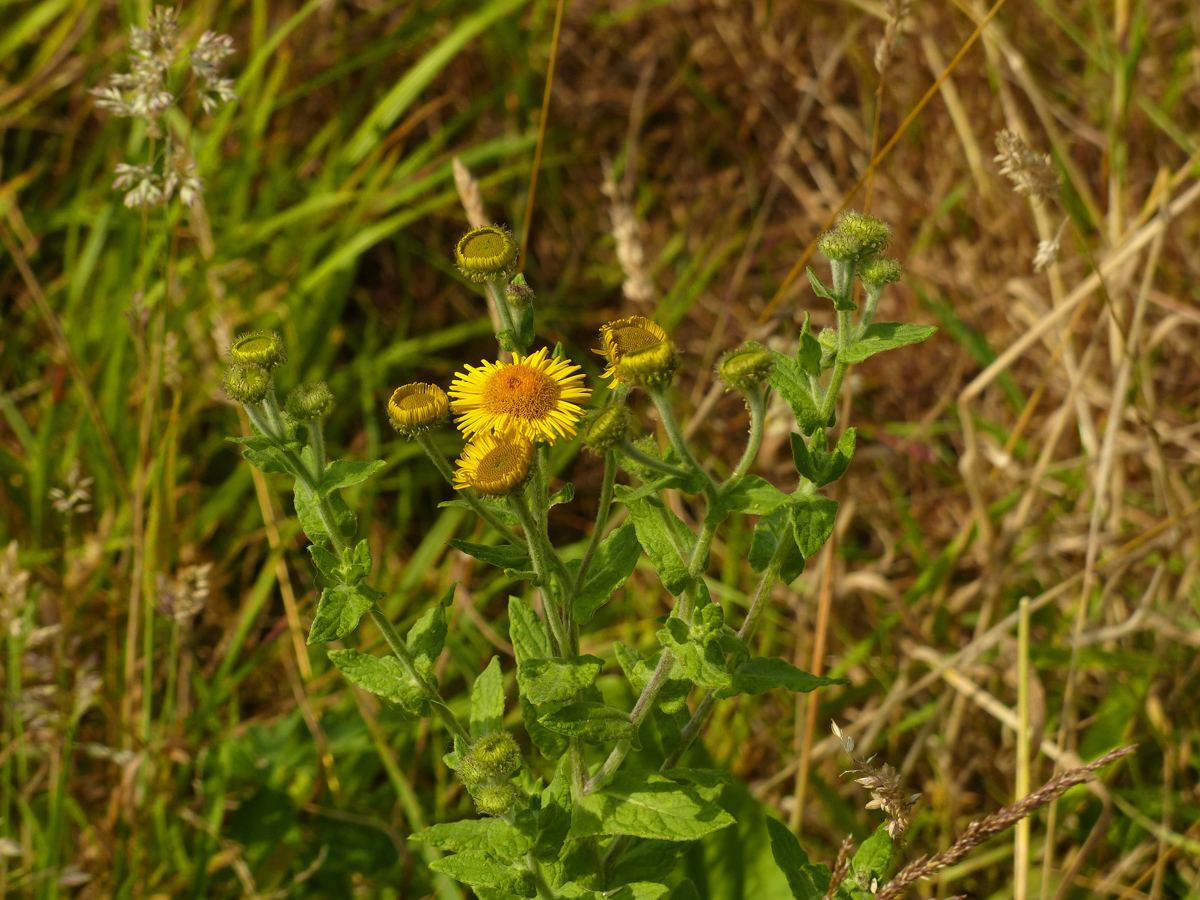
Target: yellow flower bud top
(745, 367)
(414, 408)
(622, 336)
(494, 464)
(652, 366)
(487, 253)
(259, 348)
(532, 396)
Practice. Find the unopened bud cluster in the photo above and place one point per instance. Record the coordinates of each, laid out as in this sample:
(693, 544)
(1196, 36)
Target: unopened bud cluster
(486, 770)
(859, 240)
(253, 357)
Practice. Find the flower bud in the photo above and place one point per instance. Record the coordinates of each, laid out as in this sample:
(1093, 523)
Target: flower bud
(259, 348)
(608, 428)
(497, 800)
(415, 408)
(652, 366)
(649, 446)
(868, 233)
(879, 271)
(309, 402)
(745, 367)
(494, 756)
(486, 254)
(519, 294)
(835, 245)
(246, 383)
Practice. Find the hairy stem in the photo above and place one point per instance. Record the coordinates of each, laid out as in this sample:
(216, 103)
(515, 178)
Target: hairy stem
(650, 462)
(666, 415)
(502, 308)
(316, 441)
(558, 634)
(400, 649)
(602, 513)
(756, 401)
(468, 494)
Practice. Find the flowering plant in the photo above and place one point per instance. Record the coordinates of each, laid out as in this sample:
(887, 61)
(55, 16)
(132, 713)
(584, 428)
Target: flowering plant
(557, 820)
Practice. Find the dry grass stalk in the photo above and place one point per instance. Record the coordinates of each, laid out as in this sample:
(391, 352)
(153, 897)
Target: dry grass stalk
(1001, 820)
(898, 11)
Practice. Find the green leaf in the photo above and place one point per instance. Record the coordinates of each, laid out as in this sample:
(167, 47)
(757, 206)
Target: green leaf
(703, 663)
(870, 865)
(770, 530)
(790, 381)
(651, 521)
(254, 441)
(339, 610)
(469, 834)
(647, 805)
(554, 818)
(505, 556)
(840, 460)
(813, 518)
(806, 465)
(673, 695)
(593, 722)
(362, 557)
(310, 518)
(566, 495)
(327, 564)
(508, 841)
(383, 676)
(882, 336)
(487, 701)
(685, 890)
(809, 354)
(475, 867)
(556, 680)
(268, 461)
(750, 494)
(807, 881)
(765, 673)
(499, 511)
(639, 890)
(818, 286)
(529, 640)
(611, 566)
(427, 637)
(342, 473)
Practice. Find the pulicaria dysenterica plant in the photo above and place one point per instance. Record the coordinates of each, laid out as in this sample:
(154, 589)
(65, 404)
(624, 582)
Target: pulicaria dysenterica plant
(559, 810)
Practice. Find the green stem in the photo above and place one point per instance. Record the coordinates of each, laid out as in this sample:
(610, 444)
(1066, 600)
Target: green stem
(316, 441)
(756, 401)
(666, 415)
(831, 395)
(643, 459)
(400, 649)
(868, 313)
(502, 308)
(255, 413)
(536, 553)
(606, 495)
(468, 494)
(273, 416)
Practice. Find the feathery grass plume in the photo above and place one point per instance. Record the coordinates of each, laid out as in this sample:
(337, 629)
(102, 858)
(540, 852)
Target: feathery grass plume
(630, 255)
(884, 784)
(1032, 174)
(1001, 820)
(898, 11)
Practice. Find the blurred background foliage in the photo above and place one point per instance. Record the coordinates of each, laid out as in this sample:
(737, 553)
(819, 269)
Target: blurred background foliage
(694, 149)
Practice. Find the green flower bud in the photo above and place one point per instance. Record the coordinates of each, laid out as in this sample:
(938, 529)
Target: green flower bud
(259, 348)
(649, 446)
(496, 755)
(868, 233)
(498, 799)
(835, 245)
(519, 294)
(487, 254)
(309, 402)
(879, 271)
(246, 383)
(745, 367)
(652, 366)
(608, 428)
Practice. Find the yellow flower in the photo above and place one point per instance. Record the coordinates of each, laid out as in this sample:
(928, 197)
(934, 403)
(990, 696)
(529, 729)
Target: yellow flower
(414, 408)
(623, 335)
(494, 464)
(531, 396)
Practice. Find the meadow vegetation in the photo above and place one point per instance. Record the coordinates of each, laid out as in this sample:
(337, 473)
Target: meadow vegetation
(1010, 588)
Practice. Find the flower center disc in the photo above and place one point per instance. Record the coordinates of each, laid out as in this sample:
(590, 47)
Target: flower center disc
(631, 337)
(499, 464)
(486, 245)
(520, 391)
(415, 401)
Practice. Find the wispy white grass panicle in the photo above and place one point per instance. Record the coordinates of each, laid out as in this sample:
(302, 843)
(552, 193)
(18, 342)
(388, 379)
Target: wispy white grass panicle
(1032, 174)
(898, 11)
(630, 254)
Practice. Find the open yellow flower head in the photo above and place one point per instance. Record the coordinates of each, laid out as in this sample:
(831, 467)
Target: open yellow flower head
(487, 253)
(414, 408)
(494, 464)
(531, 396)
(623, 335)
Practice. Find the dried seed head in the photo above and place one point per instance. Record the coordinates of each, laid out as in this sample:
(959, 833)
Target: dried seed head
(1032, 174)
(246, 383)
(746, 367)
(608, 428)
(415, 408)
(884, 784)
(309, 402)
(486, 254)
(259, 348)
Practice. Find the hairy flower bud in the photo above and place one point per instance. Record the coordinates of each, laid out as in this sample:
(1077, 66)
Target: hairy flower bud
(486, 254)
(652, 366)
(745, 367)
(246, 383)
(519, 294)
(494, 756)
(835, 245)
(415, 408)
(649, 446)
(309, 402)
(608, 428)
(259, 348)
(869, 233)
(496, 800)
(879, 271)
